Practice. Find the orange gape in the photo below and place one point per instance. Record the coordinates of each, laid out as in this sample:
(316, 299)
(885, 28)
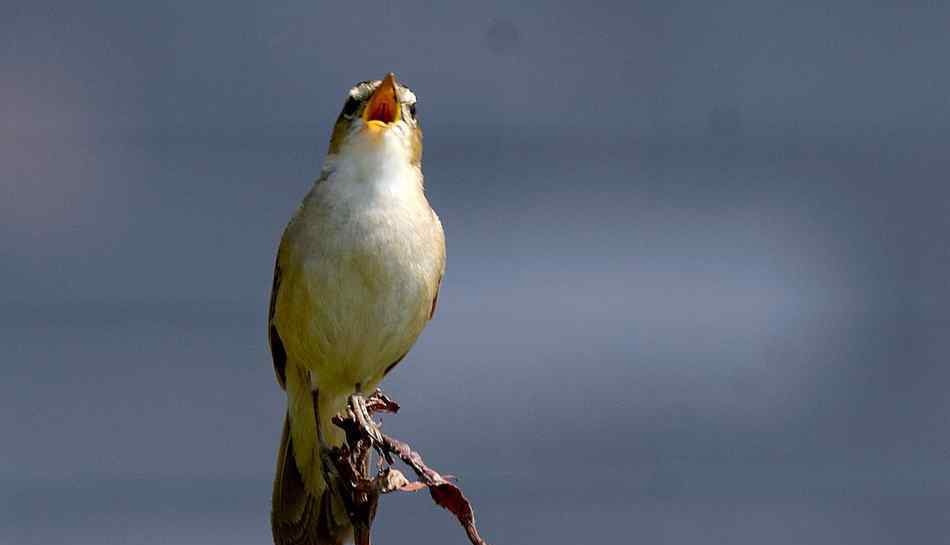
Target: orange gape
(383, 105)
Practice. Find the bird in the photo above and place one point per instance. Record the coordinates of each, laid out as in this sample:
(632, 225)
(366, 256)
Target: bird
(356, 279)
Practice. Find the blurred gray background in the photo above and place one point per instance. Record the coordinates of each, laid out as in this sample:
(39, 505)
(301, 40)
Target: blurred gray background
(698, 270)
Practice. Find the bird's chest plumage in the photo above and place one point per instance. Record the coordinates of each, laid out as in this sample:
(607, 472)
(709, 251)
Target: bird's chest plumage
(365, 258)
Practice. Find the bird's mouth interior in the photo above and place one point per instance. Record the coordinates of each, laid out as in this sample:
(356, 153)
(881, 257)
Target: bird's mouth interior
(383, 106)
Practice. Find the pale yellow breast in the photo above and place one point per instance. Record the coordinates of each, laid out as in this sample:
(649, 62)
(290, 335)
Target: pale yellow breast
(359, 273)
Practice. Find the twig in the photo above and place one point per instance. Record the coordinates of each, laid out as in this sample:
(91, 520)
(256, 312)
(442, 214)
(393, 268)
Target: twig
(347, 467)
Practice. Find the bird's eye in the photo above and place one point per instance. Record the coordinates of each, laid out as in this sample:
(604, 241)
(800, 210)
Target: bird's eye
(351, 105)
(412, 110)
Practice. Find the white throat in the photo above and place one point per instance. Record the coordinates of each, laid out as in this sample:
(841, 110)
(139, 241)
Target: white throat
(379, 160)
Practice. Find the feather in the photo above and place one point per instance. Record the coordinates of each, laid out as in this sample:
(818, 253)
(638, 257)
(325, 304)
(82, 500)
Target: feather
(299, 516)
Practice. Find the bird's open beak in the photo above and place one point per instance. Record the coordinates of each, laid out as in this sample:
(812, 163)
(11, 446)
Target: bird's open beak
(383, 107)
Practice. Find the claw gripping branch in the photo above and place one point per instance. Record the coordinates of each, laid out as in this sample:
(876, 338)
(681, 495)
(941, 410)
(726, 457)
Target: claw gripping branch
(346, 469)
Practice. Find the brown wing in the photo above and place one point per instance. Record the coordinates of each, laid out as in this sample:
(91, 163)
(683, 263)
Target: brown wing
(435, 300)
(297, 516)
(278, 353)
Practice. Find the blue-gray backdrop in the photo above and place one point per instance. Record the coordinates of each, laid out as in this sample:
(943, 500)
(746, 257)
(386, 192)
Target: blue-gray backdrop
(698, 265)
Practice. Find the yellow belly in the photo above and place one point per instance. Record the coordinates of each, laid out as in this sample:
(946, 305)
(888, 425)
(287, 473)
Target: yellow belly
(346, 321)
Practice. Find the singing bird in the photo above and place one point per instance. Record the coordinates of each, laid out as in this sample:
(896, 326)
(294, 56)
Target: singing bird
(357, 278)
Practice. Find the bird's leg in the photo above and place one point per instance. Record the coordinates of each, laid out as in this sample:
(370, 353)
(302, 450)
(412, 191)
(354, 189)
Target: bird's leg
(344, 474)
(331, 473)
(358, 406)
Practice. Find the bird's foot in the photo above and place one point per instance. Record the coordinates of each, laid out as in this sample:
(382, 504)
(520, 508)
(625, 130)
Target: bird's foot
(361, 412)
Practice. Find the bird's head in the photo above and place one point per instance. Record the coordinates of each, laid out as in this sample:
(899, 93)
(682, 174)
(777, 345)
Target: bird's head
(379, 112)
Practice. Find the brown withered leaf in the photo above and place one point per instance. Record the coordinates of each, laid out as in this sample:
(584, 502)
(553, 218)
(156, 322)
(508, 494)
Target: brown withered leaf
(448, 496)
(392, 479)
(361, 491)
(413, 486)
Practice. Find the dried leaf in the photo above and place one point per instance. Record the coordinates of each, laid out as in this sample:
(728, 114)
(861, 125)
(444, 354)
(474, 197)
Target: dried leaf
(360, 492)
(413, 486)
(448, 496)
(392, 479)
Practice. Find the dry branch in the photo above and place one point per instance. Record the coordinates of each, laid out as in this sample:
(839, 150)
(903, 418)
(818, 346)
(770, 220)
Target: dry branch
(346, 468)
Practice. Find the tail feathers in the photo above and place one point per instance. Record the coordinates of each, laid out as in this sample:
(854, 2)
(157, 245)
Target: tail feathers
(299, 516)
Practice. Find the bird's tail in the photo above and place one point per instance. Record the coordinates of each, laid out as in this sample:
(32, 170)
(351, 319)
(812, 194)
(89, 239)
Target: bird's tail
(304, 512)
